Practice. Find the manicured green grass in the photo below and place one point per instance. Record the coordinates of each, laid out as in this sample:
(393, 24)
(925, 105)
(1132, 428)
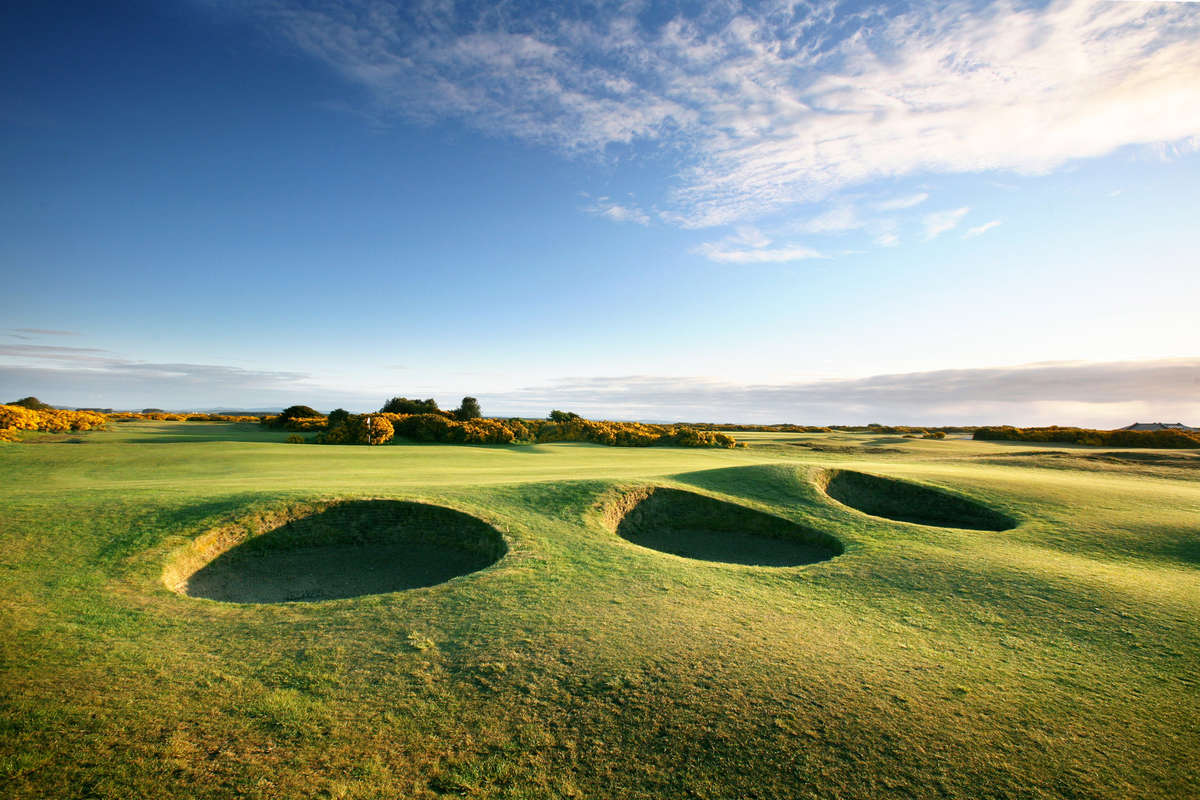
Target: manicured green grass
(1056, 659)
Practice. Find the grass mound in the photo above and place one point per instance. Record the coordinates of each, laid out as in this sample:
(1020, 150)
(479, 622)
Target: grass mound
(347, 550)
(911, 502)
(694, 526)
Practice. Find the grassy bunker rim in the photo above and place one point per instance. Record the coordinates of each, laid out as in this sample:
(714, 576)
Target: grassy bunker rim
(900, 500)
(343, 548)
(695, 526)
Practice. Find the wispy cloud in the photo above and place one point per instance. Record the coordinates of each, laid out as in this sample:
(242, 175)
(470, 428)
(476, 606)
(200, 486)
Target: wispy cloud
(85, 376)
(1096, 394)
(716, 252)
(939, 222)
(979, 230)
(33, 334)
(771, 103)
(749, 245)
(838, 219)
(901, 203)
(603, 207)
(44, 332)
(1104, 394)
(55, 353)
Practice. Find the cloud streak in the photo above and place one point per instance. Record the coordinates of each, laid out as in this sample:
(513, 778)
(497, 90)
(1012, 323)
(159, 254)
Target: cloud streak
(615, 212)
(1094, 394)
(749, 245)
(772, 103)
(979, 230)
(939, 222)
(89, 376)
(1103, 394)
(44, 332)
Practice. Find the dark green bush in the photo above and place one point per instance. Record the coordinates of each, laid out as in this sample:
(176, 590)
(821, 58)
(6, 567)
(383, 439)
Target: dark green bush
(31, 403)
(298, 412)
(402, 405)
(469, 409)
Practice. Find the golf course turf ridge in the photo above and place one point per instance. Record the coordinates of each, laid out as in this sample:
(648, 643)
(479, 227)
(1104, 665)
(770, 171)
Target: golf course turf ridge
(338, 550)
(694, 526)
(904, 501)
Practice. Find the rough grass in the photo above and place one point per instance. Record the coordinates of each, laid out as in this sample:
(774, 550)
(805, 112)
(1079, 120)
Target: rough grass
(1056, 660)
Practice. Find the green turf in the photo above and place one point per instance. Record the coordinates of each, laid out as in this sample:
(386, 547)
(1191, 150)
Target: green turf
(1057, 659)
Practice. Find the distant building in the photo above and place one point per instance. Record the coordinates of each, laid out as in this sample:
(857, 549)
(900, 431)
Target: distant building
(1159, 426)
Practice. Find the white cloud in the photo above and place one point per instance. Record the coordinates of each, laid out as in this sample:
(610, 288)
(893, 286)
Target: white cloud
(836, 220)
(616, 212)
(900, 203)
(939, 222)
(749, 236)
(1106, 395)
(715, 251)
(773, 103)
(979, 230)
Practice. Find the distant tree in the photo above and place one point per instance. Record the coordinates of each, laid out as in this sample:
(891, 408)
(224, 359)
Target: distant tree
(563, 416)
(468, 410)
(298, 412)
(402, 405)
(338, 417)
(153, 411)
(31, 403)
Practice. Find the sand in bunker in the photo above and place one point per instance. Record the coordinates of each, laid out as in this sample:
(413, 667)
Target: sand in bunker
(352, 549)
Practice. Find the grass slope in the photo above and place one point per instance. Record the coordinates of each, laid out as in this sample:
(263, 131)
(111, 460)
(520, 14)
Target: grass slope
(1054, 660)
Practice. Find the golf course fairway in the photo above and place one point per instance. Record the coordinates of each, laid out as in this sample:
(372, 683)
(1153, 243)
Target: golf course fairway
(569, 644)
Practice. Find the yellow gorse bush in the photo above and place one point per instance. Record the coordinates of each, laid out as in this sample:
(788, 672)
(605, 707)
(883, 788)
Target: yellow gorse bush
(416, 427)
(14, 419)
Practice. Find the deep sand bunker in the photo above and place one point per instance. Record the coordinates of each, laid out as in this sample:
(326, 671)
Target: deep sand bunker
(347, 550)
(911, 502)
(694, 526)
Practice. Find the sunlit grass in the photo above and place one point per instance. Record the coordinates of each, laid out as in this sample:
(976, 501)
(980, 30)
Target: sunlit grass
(1053, 660)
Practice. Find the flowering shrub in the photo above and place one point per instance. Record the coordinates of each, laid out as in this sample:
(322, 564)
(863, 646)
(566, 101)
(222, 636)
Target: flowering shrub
(573, 428)
(14, 419)
(376, 429)
(360, 429)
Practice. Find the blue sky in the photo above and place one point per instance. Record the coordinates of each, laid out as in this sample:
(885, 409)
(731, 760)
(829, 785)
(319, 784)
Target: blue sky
(775, 211)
